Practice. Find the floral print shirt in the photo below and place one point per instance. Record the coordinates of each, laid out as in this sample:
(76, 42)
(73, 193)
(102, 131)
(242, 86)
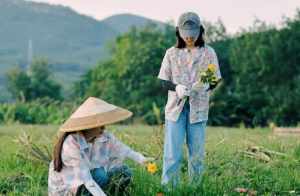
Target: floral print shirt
(79, 157)
(182, 66)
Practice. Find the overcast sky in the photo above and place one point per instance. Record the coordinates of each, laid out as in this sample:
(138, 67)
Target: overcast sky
(234, 13)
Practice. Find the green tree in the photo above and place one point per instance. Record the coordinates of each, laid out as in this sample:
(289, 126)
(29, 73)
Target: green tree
(42, 84)
(18, 84)
(260, 76)
(129, 78)
(215, 31)
(34, 84)
(259, 66)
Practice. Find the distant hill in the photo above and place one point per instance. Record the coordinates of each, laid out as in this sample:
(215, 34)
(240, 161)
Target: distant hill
(56, 32)
(72, 42)
(121, 23)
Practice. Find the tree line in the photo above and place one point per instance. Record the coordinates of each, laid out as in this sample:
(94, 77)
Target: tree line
(261, 75)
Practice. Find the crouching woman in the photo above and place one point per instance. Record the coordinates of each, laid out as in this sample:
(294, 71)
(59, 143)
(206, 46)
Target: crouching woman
(87, 158)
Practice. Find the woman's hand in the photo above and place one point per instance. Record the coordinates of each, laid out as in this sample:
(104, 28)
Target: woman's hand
(182, 91)
(148, 160)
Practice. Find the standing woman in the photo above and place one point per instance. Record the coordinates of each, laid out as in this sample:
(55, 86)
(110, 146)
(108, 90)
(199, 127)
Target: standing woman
(186, 111)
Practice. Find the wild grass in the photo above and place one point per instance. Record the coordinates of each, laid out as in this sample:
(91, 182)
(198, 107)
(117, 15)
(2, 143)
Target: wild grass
(226, 166)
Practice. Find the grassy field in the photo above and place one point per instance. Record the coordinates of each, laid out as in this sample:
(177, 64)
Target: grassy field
(226, 166)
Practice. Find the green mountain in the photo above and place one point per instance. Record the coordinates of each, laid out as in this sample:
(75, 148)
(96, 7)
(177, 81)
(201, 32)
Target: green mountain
(72, 42)
(121, 23)
(56, 32)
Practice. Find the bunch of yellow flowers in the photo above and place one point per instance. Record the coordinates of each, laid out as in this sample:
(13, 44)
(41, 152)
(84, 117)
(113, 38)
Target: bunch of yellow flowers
(209, 75)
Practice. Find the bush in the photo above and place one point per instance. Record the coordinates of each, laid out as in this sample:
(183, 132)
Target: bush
(41, 111)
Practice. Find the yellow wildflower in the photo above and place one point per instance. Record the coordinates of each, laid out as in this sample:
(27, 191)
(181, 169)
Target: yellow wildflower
(152, 168)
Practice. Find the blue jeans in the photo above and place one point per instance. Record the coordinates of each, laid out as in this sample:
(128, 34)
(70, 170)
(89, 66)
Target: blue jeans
(117, 178)
(175, 134)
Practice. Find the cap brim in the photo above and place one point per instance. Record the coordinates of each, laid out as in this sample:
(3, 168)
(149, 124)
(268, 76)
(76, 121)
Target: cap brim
(189, 33)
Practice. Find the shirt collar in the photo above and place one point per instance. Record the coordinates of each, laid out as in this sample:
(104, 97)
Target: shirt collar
(102, 138)
(187, 49)
(83, 143)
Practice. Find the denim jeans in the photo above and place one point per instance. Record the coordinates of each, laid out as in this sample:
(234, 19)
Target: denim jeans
(175, 135)
(115, 180)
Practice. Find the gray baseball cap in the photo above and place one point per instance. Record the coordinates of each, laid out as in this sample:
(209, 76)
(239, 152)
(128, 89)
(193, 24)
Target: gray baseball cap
(189, 25)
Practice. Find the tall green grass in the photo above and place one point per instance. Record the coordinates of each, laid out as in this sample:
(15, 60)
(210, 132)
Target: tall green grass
(225, 166)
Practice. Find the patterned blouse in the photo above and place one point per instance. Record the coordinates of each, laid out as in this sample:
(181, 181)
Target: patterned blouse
(79, 157)
(182, 66)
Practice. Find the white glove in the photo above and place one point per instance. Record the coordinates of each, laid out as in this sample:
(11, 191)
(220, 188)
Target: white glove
(147, 160)
(200, 85)
(182, 91)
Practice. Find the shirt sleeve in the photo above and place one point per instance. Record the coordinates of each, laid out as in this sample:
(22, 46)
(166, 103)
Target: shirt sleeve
(165, 69)
(214, 60)
(124, 151)
(167, 85)
(76, 159)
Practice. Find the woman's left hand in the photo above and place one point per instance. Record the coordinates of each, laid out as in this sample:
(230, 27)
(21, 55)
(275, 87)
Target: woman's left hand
(147, 160)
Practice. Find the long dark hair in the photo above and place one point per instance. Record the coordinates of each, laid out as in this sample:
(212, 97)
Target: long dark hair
(199, 42)
(57, 161)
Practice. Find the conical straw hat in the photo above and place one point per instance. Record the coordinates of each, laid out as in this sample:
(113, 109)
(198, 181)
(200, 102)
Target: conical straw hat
(93, 113)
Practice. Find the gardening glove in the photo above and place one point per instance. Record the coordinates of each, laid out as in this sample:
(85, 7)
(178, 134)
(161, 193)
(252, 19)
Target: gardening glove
(147, 160)
(182, 91)
(200, 85)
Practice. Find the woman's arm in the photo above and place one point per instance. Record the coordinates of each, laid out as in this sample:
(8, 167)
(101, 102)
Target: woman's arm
(167, 85)
(125, 151)
(165, 76)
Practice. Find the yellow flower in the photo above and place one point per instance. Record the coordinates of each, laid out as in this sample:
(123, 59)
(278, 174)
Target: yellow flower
(212, 67)
(152, 168)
